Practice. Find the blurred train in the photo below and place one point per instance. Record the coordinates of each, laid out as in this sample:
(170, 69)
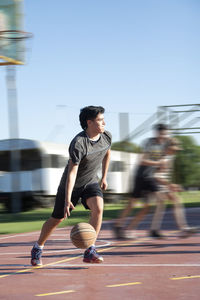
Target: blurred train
(40, 167)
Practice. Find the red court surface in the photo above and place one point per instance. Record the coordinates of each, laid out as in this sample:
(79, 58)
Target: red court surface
(138, 269)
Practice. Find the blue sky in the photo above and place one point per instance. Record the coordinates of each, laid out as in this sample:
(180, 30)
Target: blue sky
(128, 56)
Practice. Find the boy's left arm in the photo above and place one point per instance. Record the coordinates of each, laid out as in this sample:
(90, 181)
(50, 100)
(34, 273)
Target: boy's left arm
(105, 165)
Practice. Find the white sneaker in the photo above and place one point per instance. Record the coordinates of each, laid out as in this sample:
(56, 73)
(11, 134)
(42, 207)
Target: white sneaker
(186, 232)
(129, 235)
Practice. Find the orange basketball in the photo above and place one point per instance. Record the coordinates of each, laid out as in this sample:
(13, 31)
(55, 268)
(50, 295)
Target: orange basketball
(83, 235)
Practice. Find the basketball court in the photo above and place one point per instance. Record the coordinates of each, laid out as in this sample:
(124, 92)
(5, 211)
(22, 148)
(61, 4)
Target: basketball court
(137, 269)
(142, 268)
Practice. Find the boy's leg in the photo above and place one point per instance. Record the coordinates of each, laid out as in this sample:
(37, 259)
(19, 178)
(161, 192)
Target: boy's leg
(158, 216)
(180, 217)
(118, 226)
(95, 205)
(47, 229)
(125, 212)
(178, 211)
(138, 217)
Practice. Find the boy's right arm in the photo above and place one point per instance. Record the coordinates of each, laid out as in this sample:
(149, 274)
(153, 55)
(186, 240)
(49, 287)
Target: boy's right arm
(71, 178)
(145, 161)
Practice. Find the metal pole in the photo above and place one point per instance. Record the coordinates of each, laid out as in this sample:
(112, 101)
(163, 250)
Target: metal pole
(14, 139)
(162, 114)
(123, 125)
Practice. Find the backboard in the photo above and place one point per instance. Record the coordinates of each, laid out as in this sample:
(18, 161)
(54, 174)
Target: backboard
(12, 36)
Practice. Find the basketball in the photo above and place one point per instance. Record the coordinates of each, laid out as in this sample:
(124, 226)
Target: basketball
(83, 235)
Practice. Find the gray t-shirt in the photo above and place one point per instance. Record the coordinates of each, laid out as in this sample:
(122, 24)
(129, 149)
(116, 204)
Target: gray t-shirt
(155, 152)
(89, 156)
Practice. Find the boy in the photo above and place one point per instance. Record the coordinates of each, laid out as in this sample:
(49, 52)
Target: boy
(88, 151)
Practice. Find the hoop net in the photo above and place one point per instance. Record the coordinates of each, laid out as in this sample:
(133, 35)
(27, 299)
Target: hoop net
(12, 47)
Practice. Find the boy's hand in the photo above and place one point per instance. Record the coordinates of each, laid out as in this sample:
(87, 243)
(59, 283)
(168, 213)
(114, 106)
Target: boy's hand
(68, 207)
(175, 187)
(104, 184)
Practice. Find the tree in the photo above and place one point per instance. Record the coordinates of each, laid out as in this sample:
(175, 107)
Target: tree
(126, 147)
(187, 163)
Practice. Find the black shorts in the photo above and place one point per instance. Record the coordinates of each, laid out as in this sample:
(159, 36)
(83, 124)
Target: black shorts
(144, 186)
(82, 193)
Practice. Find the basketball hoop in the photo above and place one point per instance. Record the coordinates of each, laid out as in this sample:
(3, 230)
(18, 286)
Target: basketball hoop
(12, 46)
(15, 34)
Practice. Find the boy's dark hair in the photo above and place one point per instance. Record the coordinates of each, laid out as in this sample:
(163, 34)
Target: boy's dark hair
(89, 113)
(160, 127)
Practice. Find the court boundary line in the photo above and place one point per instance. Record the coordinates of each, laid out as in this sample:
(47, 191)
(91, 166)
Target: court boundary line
(129, 265)
(58, 251)
(31, 233)
(65, 260)
(115, 245)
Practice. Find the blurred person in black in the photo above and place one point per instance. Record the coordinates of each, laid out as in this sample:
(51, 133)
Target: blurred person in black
(145, 184)
(168, 191)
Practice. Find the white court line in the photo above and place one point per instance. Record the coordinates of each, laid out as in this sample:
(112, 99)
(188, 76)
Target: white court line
(28, 233)
(44, 252)
(14, 265)
(35, 232)
(110, 265)
(17, 235)
(58, 234)
(107, 243)
(127, 265)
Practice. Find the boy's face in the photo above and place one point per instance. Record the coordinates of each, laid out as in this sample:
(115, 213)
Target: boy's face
(97, 125)
(163, 135)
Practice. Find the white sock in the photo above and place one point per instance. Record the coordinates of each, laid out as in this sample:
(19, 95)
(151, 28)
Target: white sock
(38, 246)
